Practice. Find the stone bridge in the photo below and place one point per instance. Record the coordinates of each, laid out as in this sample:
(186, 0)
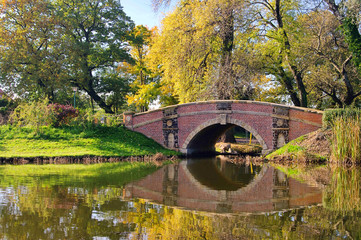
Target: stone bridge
(194, 128)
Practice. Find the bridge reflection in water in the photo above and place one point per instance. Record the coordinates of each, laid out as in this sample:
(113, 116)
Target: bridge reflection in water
(216, 185)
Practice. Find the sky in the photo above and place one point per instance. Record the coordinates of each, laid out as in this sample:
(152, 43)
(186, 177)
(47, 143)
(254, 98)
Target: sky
(141, 12)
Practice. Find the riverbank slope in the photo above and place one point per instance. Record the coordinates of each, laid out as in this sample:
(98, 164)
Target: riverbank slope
(312, 147)
(76, 141)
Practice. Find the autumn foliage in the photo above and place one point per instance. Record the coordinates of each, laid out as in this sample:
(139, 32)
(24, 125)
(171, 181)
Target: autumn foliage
(62, 114)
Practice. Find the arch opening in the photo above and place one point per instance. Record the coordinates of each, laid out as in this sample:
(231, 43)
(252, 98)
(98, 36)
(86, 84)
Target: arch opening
(203, 139)
(204, 142)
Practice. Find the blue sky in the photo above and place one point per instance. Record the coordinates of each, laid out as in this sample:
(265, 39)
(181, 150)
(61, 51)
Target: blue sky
(141, 12)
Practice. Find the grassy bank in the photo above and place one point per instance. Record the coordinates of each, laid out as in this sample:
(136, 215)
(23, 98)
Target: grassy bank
(76, 141)
(313, 147)
(339, 141)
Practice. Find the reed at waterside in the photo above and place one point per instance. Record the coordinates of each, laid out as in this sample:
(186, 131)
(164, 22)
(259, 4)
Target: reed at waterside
(346, 144)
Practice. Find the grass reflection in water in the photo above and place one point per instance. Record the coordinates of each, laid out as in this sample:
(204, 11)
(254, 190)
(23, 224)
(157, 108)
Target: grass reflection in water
(116, 174)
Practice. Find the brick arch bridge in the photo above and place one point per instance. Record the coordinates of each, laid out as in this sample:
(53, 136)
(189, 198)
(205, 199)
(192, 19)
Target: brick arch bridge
(194, 128)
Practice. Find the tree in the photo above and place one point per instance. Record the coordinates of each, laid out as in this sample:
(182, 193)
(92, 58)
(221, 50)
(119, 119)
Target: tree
(31, 62)
(47, 47)
(278, 41)
(284, 51)
(332, 72)
(348, 14)
(95, 36)
(195, 50)
(144, 83)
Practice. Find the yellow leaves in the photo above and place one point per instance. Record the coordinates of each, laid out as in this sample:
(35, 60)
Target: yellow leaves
(186, 48)
(145, 94)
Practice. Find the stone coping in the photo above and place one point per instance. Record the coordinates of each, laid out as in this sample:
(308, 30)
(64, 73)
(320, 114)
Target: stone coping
(230, 101)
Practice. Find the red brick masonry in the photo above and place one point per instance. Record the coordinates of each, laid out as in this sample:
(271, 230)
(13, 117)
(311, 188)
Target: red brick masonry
(195, 127)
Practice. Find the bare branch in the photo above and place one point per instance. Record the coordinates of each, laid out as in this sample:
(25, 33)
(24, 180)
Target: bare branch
(158, 4)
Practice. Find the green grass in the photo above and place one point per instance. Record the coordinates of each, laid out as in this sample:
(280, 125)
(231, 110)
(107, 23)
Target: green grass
(105, 174)
(76, 141)
(291, 147)
(293, 151)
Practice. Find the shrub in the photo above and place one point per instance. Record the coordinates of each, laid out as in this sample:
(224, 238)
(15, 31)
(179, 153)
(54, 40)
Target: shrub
(330, 115)
(62, 114)
(35, 114)
(41, 113)
(7, 105)
(88, 118)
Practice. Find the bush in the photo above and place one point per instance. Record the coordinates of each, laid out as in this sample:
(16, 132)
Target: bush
(38, 114)
(7, 105)
(88, 118)
(330, 115)
(62, 114)
(35, 114)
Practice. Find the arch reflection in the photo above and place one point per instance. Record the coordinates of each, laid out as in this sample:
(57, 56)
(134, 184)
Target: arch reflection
(216, 186)
(219, 174)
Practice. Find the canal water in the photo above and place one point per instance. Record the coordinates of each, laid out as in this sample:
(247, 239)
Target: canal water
(192, 199)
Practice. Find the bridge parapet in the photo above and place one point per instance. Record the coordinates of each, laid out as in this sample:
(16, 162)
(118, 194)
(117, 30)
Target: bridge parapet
(195, 127)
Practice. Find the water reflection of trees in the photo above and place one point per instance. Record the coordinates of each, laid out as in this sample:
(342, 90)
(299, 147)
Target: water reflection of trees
(71, 213)
(41, 210)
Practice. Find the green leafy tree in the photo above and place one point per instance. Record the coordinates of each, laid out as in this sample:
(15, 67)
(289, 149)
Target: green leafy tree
(31, 59)
(278, 36)
(348, 13)
(95, 41)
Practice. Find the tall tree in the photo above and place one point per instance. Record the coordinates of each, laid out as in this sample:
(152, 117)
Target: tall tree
(144, 83)
(348, 13)
(30, 61)
(195, 50)
(278, 42)
(333, 73)
(95, 40)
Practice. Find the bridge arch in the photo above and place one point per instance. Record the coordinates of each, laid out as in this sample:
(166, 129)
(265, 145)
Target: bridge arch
(203, 138)
(193, 127)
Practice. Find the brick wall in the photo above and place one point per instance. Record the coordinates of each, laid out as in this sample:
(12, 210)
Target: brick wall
(187, 120)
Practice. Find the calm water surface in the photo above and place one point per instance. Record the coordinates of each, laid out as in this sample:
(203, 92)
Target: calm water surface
(192, 199)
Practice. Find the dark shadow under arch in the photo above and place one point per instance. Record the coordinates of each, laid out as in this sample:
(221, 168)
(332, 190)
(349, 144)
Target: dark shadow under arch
(201, 140)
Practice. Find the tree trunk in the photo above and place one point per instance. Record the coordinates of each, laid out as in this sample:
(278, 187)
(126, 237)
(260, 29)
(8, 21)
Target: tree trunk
(300, 85)
(287, 46)
(228, 136)
(287, 81)
(98, 100)
(223, 86)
